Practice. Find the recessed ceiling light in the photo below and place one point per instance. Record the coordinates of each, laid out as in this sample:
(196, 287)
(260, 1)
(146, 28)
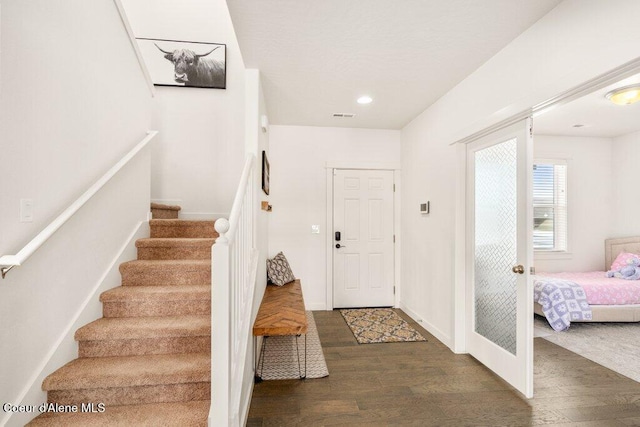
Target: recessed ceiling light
(578, 126)
(365, 100)
(624, 95)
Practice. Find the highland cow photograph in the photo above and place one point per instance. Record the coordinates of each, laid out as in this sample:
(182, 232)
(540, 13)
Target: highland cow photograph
(186, 64)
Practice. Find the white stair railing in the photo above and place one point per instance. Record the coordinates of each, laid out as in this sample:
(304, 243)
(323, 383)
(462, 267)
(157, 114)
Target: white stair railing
(234, 264)
(7, 262)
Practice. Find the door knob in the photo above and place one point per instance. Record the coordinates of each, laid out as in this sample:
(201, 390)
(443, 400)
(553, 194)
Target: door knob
(338, 246)
(518, 269)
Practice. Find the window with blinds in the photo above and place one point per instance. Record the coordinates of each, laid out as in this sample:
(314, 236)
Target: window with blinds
(550, 205)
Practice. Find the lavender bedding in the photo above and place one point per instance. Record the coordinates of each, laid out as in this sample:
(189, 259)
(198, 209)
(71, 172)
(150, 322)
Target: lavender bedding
(562, 301)
(568, 296)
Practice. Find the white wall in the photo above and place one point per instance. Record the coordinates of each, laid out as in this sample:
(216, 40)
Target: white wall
(573, 43)
(624, 164)
(73, 101)
(428, 174)
(298, 159)
(197, 160)
(590, 200)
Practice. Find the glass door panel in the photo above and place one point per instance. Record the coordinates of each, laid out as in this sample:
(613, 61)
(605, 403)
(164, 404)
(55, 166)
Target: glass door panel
(500, 252)
(495, 243)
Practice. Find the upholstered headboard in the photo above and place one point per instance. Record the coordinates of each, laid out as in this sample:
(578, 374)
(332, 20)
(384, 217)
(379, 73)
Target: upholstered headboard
(612, 247)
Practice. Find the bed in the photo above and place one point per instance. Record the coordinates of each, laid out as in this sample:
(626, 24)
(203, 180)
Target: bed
(592, 296)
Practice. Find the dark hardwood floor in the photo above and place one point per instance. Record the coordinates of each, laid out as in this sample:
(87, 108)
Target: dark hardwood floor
(425, 384)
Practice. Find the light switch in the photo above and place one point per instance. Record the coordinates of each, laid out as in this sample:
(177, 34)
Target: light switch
(315, 229)
(26, 210)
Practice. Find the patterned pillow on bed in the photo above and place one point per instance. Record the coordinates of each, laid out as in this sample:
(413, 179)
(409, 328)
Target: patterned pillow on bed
(622, 260)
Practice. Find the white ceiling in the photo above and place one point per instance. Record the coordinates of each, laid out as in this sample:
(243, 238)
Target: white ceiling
(317, 57)
(600, 117)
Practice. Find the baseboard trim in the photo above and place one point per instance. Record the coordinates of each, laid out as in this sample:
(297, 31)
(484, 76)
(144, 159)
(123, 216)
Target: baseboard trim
(318, 306)
(436, 332)
(91, 309)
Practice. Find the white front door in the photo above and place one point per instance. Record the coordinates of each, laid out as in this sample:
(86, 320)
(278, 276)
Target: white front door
(363, 238)
(499, 254)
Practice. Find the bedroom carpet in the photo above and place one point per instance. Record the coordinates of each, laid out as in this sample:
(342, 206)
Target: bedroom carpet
(281, 360)
(613, 345)
(379, 325)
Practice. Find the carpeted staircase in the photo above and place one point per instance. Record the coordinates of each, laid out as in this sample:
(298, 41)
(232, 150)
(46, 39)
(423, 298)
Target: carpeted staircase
(160, 211)
(148, 359)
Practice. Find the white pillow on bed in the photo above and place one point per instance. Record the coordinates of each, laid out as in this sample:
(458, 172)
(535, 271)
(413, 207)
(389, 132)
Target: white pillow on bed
(622, 260)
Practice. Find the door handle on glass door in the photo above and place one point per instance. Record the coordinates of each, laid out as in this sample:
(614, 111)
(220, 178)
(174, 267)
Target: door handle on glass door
(518, 269)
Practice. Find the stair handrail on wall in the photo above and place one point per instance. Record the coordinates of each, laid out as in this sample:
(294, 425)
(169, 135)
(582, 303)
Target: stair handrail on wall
(234, 265)
(9, 261)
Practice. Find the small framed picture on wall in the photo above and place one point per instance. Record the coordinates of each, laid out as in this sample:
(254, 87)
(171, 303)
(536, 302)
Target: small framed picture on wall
(265, 173)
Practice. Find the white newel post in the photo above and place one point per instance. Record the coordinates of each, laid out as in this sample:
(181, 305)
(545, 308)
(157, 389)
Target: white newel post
(220, 322)
(233, 275)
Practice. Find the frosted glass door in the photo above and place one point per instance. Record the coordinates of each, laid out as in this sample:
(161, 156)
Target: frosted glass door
(495, 249)
(499, 248)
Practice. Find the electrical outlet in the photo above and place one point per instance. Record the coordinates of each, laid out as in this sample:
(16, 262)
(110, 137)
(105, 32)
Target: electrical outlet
(26, 210)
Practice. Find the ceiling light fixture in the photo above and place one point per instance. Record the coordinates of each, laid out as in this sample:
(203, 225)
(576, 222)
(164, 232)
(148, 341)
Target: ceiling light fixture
(624, 95)
(365, 100)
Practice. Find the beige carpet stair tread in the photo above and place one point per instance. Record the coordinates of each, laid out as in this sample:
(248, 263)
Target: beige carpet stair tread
(166, 272)
(162, 242)
(153, 264)
(116, 328)
(176, 228)
(160, 211)
(157, 300)
(150, 266)
(157, 293)
(181, 222)
(165, 248)
(178, 414)
(166, 207)
(130, 371)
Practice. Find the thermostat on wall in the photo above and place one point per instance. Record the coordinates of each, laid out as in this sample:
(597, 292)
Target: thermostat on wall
(424, 208)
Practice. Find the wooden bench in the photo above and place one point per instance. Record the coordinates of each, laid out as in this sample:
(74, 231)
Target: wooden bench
(281, 313)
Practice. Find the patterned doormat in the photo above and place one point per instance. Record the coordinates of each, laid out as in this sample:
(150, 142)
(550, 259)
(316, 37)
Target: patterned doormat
(281, 357)
(379, 325)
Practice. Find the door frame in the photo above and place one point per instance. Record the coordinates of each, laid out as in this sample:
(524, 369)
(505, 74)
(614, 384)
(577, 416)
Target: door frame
(460, 309)
(330, 166)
